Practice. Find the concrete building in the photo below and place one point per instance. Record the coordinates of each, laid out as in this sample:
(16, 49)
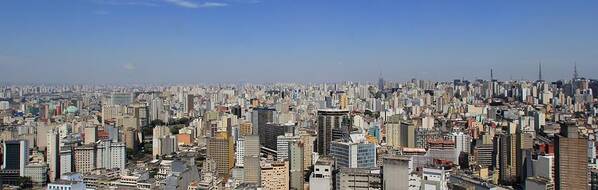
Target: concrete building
(221, 150)
(111, 155)
(308, 149)
(131, 139)
(322, 177)
(462, 142)
(38, 172)
(353, 154)
(68, 181)
(53, 155)
(252, 160)
(330, 120)
(395, 172)
(85, 158)
(259, 118)
(163, 142)
(296, 168)
(91, 134)
(538, 183)
(240, 152)
(282, 145)
(15, 156)
(359, 178)
(435, 178)
(275, 175)
(571, 161)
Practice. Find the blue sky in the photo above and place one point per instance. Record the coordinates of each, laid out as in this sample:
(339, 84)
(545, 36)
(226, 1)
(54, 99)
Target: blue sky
(139, 41)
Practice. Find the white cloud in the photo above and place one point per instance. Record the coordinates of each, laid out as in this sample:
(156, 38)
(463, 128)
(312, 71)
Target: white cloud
(129, 66)
(213, 4)
(183, 3)
(194, 5)
(126, 2)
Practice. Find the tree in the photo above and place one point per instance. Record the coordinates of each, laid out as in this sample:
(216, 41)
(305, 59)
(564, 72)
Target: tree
(156, 122)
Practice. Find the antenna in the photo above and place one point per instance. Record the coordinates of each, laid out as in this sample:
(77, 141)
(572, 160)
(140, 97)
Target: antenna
(575, 74)
(540, 70)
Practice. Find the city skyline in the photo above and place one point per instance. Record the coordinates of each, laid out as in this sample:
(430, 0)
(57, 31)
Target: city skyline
(230, 41)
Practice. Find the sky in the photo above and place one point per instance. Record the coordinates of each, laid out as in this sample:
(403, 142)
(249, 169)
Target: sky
(263, 41)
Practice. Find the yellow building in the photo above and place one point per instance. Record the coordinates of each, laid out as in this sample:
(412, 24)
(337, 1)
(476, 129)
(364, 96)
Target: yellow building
(245, 129)
(221, 150)
(275, 175)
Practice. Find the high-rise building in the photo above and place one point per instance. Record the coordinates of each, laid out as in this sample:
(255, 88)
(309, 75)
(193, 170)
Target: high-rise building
(91, 134)
(435, 178)
(131, 139)
(53, 155)
(259, 118)
(282, 145)
(15, 156)
(121, 99)
(330, 120)
(66, 160)
(221, 150)
(111, 155)
(381, 83)
(395, 172)
(270, 132)
(571, 161)
(507, 158)
(393, 134)
(252, 159)
(85, 158)
(462, 142)
(189, 104)
(407, 134)
(359, 178)
(400, 133)
(353, 154)
(275, 175)
(308, 149)
(163, 142)
(296, 168)
(245, 129)
(321, 177)
(483, 154)
(240, 152)
(525, 145)
(164, 145)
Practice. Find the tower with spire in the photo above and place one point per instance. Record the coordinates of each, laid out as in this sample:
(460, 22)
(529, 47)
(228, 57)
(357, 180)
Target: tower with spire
(575, 74)
(540, 71)
(380, 82)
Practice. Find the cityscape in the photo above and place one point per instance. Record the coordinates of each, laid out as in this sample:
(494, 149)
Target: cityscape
(320, 95)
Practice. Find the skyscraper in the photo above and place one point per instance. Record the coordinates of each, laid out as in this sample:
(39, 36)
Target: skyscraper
(53, 155)
(328, 120)
(275, 175)
(221, 150)
(282, 145)
(259, 118)
(85, 158)
(15, 156)
(296, 164)
(571, 161)
(353, 154)
(321, 177)
(395, 172)
(251, 159)
(91, 134)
